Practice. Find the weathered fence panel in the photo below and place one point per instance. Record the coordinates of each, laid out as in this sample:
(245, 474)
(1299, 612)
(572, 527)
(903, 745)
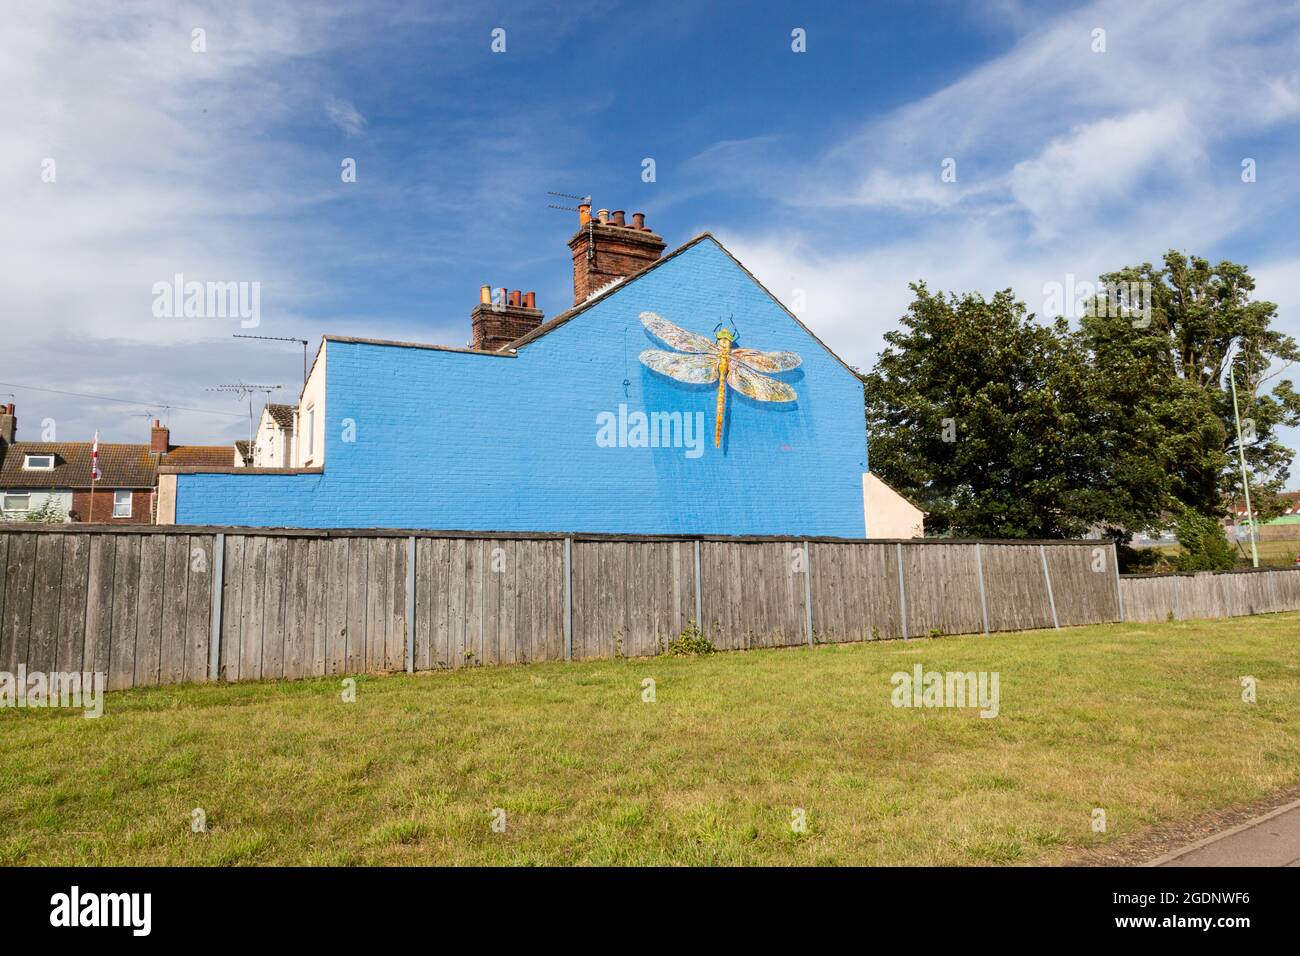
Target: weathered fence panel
(136, 603)
(627, 601)
(855, 592)
(752, 595)
(1016, 587)
(1182, 597)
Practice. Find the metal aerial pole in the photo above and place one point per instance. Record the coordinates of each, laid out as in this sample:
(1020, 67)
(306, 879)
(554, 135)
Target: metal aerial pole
(1245, 481)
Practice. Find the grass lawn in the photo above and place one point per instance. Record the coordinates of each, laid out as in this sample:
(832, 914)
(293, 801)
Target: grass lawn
(1273, 552)
(1145, 721)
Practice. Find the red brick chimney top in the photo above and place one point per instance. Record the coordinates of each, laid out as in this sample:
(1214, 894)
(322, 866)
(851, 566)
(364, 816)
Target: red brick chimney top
(500, 319)
(160, 439)
(607, 247)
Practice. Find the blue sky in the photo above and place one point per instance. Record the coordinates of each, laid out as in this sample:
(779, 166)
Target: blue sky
(820, 170)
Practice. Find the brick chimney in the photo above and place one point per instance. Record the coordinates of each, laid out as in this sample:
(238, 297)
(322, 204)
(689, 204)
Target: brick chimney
(499, 320)
(8, 423)
(606, 247)
(159, 438)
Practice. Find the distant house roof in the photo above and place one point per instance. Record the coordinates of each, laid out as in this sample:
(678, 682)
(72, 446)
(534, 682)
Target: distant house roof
(245, 449)
(120, 466)
(221, 456)
(284, 416)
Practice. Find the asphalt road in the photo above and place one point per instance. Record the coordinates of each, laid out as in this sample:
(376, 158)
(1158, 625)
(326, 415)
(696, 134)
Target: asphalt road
(1269, 840)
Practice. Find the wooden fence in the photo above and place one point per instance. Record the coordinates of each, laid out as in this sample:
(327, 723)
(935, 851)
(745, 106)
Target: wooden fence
(1181, 597)
(166, 605)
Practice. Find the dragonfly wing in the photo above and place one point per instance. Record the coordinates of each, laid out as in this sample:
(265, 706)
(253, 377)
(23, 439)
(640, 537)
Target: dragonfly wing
(748, 382)
(678, 338)
(693, 369)
(767, 361)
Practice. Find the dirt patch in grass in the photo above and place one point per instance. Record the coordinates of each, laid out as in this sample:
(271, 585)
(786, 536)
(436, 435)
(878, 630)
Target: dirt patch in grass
(1166, 837)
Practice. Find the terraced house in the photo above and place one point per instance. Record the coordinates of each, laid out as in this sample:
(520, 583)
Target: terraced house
(676, 396)
(52, 481)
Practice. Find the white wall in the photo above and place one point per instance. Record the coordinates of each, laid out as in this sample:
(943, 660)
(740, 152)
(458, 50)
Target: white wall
(62, 499)
(888, 514)
(310, 449)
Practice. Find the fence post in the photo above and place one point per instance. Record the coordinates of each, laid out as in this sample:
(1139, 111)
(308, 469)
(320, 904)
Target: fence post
(807, 590)
(699, 613)
(214, 631)
(984, 604)
(410, 604)
(902, 591)
(1119, 593)
(568, 599)
(1051, 599)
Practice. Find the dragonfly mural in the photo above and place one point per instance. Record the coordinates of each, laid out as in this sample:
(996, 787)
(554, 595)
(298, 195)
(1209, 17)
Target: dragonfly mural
(698, 361)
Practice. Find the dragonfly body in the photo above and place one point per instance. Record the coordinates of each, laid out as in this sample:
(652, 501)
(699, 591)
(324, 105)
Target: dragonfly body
(724, 365)
(704, 362)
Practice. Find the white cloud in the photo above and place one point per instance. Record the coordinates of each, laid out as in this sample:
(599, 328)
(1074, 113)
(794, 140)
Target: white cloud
(345, 116)
(1103, 161)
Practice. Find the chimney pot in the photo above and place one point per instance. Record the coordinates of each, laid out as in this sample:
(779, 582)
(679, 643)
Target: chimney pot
(496, 322)
(485, 295)
(584, 213)
(601, 257)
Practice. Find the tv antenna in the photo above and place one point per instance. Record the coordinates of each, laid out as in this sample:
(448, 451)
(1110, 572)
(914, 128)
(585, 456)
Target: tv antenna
(571, 196)
(279, 338)
(243, 389)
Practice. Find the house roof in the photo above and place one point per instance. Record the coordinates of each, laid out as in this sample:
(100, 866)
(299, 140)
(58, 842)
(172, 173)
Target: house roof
(221, 456)
(284, 416)
(615, 287)
(120, 466)
(245, 448)
(508, 351)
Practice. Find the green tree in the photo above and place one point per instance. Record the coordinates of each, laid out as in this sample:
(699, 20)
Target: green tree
(1172, 365)
(1205, 547)
(984, 417)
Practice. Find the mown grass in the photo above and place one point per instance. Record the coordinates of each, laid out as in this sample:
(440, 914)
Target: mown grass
(1145, 721)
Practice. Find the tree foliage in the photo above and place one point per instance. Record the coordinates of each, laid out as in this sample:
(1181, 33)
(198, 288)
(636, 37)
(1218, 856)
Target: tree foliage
(1202, 323)
(982, 416)
(999, 425)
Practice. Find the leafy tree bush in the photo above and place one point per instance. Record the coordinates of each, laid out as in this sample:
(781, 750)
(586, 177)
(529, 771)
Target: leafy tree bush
(1205, 546)
(690, 643)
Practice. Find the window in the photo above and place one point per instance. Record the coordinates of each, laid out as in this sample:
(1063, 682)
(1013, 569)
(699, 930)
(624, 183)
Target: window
(17, 501)
(311, 430)
(38, 463)
(121, 504)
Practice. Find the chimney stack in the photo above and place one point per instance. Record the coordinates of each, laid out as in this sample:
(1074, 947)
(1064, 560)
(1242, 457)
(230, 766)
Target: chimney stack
(606, 248)
(497, 324)
(8, 424)
(160, 438)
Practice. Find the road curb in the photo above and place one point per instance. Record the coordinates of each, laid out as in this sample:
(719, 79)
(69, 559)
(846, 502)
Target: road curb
(1216, 837)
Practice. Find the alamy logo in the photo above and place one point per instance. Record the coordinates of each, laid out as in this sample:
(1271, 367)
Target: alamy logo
(103, 909)
(72, 689)
(1074, 299)
(656, 430)
(923, 688)
(208, 300)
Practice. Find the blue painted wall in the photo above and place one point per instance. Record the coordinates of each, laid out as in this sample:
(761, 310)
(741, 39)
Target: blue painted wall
(452, 440)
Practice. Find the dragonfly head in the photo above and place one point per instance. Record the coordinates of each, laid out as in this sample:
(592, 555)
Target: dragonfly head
(723, 333)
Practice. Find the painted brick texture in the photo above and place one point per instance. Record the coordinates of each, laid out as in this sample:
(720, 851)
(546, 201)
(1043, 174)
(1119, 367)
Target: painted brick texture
(464, 441)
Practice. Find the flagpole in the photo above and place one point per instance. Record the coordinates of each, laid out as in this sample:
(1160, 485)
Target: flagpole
(94, 476)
